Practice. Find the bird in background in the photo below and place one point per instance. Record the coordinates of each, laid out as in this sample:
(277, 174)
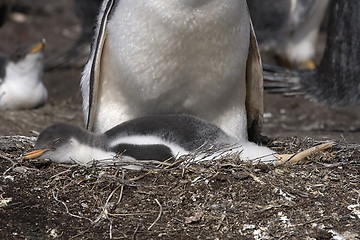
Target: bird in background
(288, 30)
(335, 81)
(21, 85)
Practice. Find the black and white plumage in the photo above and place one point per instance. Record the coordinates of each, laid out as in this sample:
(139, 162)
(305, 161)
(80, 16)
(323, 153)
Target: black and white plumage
(148, 138)
(21, 85)
(289, 28)
(336, 80)
(169, 57)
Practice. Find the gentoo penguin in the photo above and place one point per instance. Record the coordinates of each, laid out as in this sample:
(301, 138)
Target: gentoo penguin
(21, 85)
(162, 137)
(155, 57)
(289, 28)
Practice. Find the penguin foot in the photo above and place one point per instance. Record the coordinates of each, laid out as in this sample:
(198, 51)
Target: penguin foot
(309, 64)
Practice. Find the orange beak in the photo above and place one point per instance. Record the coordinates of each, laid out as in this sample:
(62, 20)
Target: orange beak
(38, 47)
(35, 153)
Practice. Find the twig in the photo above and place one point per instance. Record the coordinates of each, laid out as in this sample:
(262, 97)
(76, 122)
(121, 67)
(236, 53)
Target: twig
(256, 179)
(110, 229)
(159, 216)
(122, 187)
(110, 196)
(314, 220)
(174, 163)
(56, 175)
(19, 138)
(7, 158)
(130, 214)
(123, 162)
(223, 216)
(141, 176)
(137, 228)
(78, 235)
(7, 170)
(105, 213)
(67, 209)
(12, 162)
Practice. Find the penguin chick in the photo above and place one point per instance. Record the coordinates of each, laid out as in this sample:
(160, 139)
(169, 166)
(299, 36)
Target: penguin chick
(148, 138)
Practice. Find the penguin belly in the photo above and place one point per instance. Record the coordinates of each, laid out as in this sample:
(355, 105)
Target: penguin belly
(166, 57)
(22, 93)
(22, 86)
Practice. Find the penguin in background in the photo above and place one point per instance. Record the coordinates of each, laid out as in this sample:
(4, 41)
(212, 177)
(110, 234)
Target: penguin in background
(289, 29)
(335, 82)
(21, 85)
(174, 57)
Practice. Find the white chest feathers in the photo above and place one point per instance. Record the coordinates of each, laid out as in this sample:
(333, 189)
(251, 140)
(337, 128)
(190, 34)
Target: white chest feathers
(75, 152)
(158, 48)
(174, 56)
(22, 87)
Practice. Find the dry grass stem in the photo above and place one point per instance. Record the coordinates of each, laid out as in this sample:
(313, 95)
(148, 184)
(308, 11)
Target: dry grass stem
(159, 215)
(55, 196)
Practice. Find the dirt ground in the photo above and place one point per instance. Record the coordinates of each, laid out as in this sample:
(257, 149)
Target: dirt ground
(225, 199)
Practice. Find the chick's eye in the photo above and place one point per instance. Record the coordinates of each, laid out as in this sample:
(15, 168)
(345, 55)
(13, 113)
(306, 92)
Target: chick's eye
(56, 140)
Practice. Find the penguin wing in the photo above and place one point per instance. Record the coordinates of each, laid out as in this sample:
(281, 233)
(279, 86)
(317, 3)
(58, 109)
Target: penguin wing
(91, 75)
(254, 89)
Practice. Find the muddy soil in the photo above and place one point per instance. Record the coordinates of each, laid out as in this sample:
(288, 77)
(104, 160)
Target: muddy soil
(225, 199)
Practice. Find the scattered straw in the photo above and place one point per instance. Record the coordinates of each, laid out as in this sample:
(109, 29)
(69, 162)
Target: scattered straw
(159, 216)
(55, 196)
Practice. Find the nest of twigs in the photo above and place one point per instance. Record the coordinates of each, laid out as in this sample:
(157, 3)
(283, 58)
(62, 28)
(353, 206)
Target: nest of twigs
(223, 198)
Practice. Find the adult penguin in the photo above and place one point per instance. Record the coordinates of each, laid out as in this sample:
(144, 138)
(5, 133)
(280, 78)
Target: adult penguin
(21, 85)
(155, 57)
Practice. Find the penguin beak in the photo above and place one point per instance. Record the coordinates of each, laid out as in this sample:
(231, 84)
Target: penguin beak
(38, 47)
(36, 153)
